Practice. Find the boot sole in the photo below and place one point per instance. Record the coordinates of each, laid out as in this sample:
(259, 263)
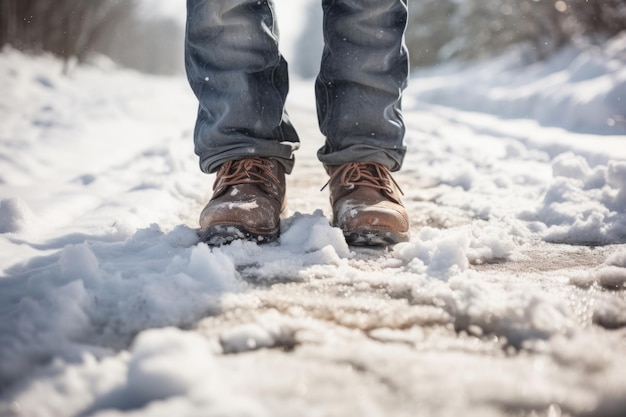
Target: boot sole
(375, 238)
(223, 235)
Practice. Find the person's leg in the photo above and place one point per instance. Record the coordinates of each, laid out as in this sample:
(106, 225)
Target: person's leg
(364, 70)
(240, 79)
(363, 73)
(242, 131)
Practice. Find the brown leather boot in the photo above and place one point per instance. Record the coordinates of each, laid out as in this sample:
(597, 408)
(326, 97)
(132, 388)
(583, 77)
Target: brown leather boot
(248, 197)
(366, 204)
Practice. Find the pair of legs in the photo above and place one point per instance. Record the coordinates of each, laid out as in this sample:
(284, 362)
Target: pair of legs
(240, 79)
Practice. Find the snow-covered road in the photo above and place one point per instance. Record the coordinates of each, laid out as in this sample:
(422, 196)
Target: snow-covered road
(509, 300)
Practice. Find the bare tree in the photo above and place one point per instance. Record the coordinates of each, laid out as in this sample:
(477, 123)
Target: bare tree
(66, 28)
(471, 29)
(152, 45)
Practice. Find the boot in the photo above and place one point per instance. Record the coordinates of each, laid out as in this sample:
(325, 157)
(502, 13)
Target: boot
(248, 197)
(366, 204)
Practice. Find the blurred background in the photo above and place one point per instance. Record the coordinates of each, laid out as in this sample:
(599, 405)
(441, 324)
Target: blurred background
(147, 35)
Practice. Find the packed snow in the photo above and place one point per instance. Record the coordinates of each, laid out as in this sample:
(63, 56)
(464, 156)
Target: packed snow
(509, 300)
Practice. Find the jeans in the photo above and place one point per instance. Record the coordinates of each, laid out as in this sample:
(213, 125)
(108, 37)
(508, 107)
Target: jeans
(241, 82)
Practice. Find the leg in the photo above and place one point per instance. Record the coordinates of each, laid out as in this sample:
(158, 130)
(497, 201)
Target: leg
(242, 130)
(364, 70)
(234, 68)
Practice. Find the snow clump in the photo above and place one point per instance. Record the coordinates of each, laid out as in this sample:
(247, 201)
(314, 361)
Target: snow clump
(269, 330)
(166, 372)
(15, 215)
(584, 205)
(306, 240)
(438, 253)
(445, 253)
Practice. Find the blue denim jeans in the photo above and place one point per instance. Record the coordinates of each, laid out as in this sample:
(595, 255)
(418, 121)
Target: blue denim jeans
(241, 81)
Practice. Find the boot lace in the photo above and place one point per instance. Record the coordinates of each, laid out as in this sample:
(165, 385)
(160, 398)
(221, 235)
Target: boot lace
(364, 174)
(246, 171)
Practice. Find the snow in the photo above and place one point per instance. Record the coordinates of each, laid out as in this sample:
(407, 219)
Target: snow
(582, 88)
(509, 298)
(15, 215)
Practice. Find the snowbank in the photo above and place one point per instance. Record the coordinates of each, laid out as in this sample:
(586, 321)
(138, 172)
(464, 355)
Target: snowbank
(84, 294)
(581, 88)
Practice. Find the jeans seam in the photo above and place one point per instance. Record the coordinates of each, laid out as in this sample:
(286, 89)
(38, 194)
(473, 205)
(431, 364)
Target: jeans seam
(321, 77)
(280, 99)
(281, 133)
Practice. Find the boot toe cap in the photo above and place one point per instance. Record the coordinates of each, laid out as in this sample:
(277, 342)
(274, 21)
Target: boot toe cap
(382, 223)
